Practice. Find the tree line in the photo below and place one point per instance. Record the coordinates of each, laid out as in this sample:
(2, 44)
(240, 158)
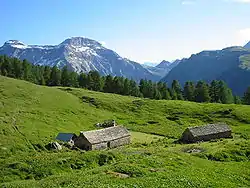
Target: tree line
(215, 92)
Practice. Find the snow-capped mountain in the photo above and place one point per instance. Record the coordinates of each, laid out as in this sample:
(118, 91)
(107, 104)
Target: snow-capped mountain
(78, 54)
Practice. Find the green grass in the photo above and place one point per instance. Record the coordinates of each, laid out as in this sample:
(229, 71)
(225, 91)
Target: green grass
(31, 116)
(245, 62)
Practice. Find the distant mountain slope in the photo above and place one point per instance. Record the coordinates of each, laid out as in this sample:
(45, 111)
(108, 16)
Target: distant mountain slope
(78, 54)
(230, 64)
(247, 45)
(162, 69)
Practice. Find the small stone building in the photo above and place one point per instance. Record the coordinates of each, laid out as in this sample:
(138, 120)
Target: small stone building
(206, 133)
(110, 137)
(67, 137)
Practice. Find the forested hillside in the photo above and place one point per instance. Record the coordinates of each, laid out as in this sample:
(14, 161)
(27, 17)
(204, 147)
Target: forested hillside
(216, 91)
(231, 65)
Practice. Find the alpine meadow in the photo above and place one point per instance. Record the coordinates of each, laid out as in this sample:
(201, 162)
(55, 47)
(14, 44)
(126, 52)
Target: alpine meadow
(153, 159)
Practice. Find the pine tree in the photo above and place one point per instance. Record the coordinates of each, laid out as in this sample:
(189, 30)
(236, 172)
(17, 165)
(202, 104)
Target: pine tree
(118, 84)
(156, 93)
(225, 94)
(46, 74)
(17, 66)
(176, 89)
(94, 81)
(82, 80)
(202, 92)
(73, 79)
(108, 84)
(246, 97)
(55, 77)
(26, 70)
(126, 87)
(237, 100)
(135, 90)
(142, 87)
(65, 77)
(162, 87)
(214, 91)
(189, 91)
(42, 81)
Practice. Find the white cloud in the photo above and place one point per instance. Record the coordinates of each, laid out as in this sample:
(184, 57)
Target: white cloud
(188, 2)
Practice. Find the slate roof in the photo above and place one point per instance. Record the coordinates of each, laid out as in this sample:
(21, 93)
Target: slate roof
(209, 129)
(66, 137)
(105, 135)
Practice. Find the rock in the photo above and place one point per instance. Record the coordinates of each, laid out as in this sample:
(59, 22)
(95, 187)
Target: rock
(54, 146)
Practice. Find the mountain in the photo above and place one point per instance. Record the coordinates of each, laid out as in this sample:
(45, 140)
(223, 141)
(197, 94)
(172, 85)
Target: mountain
(78, 54)
(163, 64)
(149, 64)
(162, 69)
(230, 64)
(247, 45)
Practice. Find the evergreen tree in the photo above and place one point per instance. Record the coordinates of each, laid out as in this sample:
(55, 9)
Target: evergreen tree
(73, 79)
(108, 84)
(237, 100)
(126, 87)
(42, 81)
(176, 89)
(46, 74)
(189, 91)
(82, 80)
(135, 90)
(142, 86)
(26, 70)
(65, 77)
(202, 92)
(17, 66)
(214, 91)
(162, 87)
(94, 81)
(118, 84)
(156, 93)
(246, 97)
(225, 94)
(55, 77)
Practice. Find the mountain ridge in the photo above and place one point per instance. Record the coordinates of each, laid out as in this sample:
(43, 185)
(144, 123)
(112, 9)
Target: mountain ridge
(229, 64)
(78, 54)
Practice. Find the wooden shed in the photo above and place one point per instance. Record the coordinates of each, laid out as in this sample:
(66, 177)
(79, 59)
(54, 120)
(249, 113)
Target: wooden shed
(206, 133)
(103, 138)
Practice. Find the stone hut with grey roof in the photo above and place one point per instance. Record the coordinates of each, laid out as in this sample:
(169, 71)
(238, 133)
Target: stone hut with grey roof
(206, 133)
(110, 137)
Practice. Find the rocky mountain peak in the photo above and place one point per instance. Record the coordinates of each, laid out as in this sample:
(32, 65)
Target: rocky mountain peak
(163, 64)
(80, 42)
(14, 43)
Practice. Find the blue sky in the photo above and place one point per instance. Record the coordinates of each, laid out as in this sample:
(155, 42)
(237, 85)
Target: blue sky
(141, 30)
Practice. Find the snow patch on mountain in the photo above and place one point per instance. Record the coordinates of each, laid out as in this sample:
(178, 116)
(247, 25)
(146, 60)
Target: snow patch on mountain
(79, 54)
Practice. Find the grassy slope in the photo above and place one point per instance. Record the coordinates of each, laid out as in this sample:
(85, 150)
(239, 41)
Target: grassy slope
(31, 116)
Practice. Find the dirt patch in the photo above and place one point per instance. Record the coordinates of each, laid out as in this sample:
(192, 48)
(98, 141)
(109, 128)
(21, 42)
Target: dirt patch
(117, 174)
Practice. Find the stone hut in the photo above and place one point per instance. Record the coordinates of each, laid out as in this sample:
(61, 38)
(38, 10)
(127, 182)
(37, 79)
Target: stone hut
(67, 137)
(110, 137)
(206, 133)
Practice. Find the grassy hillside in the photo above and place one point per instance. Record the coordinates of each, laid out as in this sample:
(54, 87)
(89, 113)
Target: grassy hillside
(31, 116)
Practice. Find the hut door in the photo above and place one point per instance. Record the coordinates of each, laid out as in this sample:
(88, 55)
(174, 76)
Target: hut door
(108, 144)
